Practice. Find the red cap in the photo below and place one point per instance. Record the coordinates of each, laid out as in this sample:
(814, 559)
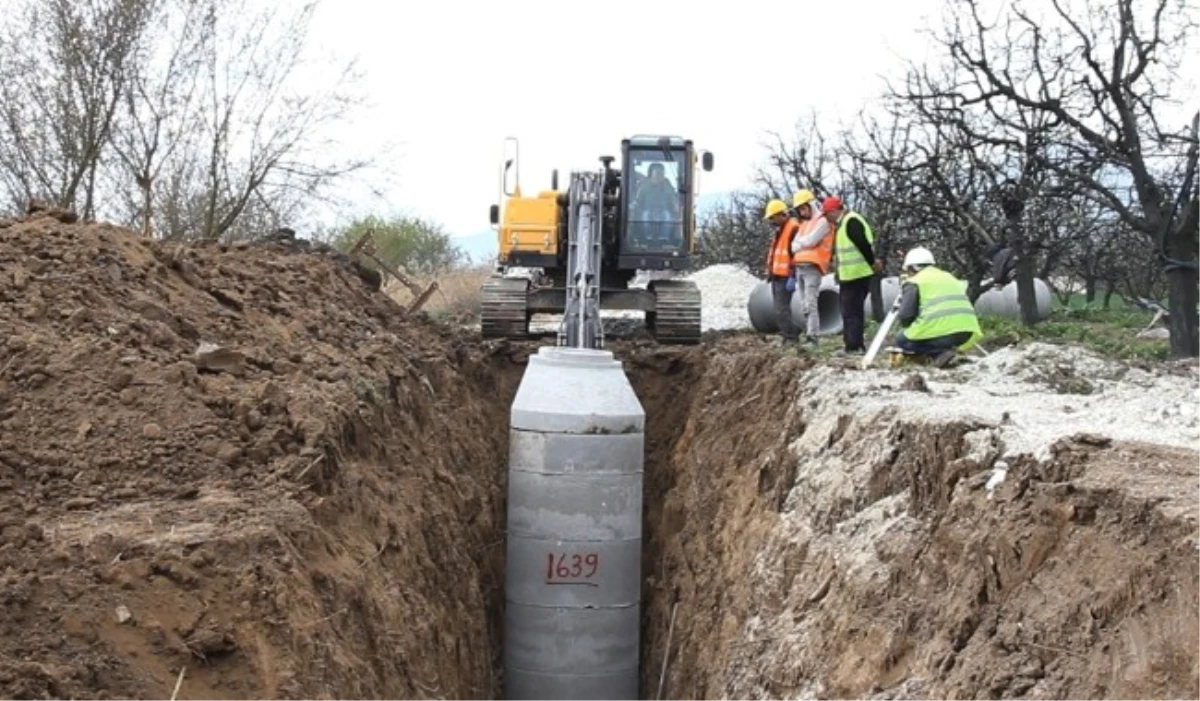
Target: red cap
(831, 203)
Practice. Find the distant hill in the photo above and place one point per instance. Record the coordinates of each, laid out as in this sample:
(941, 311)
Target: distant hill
(482, 246)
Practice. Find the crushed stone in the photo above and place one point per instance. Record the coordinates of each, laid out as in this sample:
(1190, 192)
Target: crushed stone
(724, 293)
(1020, 389)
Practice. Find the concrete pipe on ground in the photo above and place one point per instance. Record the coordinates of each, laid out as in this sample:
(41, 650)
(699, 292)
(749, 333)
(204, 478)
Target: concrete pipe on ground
(761, 308)
(993, 303)
(1003, 302)
(573, 579)
(889, 287)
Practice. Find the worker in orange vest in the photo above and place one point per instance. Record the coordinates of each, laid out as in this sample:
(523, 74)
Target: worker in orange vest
(812, 251)
(779, 268)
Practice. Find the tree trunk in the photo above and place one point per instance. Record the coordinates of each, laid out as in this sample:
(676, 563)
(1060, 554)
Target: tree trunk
(877, 310)
(974, 290)
(1182, 246)
(882, 251)
(1110, 288)
(147, 202)
(1026, 294)
(1090, 290)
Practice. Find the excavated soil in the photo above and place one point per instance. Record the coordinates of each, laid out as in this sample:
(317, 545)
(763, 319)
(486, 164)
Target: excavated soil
(308, 507)
(810, 547)
(246, 463)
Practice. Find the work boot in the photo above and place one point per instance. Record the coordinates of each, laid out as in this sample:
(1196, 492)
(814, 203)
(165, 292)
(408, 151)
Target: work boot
(944, 358)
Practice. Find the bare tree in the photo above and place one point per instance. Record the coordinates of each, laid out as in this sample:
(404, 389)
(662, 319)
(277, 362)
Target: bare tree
(188, 118)
(266, 150)
(1108, 111)
(807, 161)
(733, 232)
(63, 73)
(158, 119)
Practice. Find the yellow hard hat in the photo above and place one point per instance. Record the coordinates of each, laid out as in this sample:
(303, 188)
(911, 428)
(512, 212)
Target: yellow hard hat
(803, 197)
(775, 207)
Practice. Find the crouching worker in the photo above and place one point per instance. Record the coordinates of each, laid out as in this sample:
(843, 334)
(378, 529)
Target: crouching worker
(936, 318)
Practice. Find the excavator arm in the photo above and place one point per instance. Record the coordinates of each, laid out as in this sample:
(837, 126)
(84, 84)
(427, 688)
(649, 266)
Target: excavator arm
(581, 327)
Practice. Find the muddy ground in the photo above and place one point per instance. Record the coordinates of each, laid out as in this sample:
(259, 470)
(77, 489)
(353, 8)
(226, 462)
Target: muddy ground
(247, 464)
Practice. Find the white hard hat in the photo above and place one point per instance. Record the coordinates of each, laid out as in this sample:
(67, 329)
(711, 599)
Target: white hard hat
(918, 256)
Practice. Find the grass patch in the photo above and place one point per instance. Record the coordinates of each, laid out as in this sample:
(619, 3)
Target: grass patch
(1111, 333)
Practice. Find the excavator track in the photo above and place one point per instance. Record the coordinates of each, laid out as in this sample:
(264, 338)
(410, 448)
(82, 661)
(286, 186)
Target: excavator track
(677, 319)
(504, 310)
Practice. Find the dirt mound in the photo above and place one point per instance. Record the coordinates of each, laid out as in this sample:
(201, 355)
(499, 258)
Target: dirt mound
(243, 461)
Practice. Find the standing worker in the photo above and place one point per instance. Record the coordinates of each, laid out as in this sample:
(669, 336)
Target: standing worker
(812, 251)
(856, 264)
(779, 269)
(936, 317)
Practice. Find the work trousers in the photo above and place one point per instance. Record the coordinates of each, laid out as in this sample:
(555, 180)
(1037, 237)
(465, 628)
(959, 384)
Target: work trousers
(782, 297)
(666, 226)
(932, 346)
(853, 296)
(808, 285)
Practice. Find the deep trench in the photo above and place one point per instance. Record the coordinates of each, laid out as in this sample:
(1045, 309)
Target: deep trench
(665, 380)
(718, 469)
(909, 574)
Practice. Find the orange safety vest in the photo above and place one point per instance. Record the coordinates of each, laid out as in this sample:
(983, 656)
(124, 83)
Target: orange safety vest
(820, 254)
(779, 260)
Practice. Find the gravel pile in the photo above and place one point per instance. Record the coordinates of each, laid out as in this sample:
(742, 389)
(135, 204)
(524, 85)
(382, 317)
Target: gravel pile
(724, 292)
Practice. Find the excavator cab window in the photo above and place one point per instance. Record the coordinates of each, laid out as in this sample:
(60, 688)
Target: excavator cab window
(654, 204)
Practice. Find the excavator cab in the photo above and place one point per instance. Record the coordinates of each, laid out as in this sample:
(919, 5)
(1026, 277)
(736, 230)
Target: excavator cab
(658, 222)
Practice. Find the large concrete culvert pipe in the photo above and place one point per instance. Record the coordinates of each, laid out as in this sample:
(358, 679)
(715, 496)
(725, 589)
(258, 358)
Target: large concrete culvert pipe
(1003, 302)
(993, 303)
(761, 308)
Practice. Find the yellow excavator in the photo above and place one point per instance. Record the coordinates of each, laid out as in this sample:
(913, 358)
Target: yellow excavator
(575, 251)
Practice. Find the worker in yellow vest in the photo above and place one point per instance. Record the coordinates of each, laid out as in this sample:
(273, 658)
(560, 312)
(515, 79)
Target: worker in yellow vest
(812, 253)
(854, 251)
(936, 317)
(779, 269)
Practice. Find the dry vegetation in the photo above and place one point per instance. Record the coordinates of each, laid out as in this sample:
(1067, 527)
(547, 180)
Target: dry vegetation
(457, 297)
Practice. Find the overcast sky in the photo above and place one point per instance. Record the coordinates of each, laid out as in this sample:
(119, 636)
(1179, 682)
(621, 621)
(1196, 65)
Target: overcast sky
(449, 80)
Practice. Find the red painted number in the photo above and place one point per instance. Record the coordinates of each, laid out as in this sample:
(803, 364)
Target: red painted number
(576, 568)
